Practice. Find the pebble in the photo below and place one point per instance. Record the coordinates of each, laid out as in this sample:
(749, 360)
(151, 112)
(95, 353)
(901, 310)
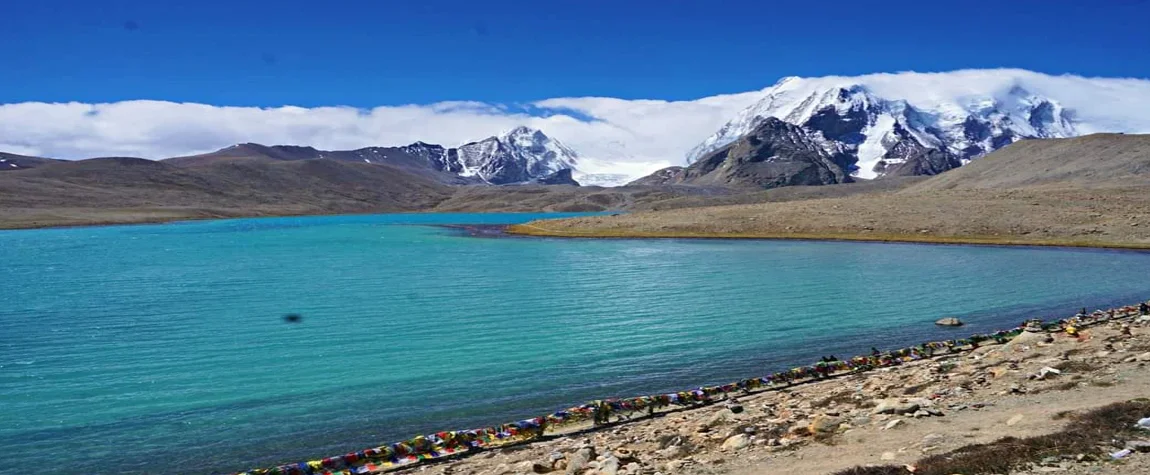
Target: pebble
(893, 424)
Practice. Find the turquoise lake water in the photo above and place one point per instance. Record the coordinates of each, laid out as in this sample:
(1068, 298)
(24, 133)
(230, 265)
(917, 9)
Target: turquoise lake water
(163, 348)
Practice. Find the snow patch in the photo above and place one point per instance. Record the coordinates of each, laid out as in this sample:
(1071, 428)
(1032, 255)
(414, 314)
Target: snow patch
(870, 152)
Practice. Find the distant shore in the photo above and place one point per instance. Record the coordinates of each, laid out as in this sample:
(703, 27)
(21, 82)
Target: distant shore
(536, 230)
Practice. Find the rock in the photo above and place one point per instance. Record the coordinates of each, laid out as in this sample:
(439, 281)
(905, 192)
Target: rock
(579, 460)
(1015, 420)
(736, 442)
(525, 466)
(735, 408)
(934, 412)
(949, 322)
(888, 456)
(825, 424)
(1145, 357)
(500, 469)
(1138, 445)
(540, 468)
(889, 406)
(1046, 372)
(920, 414)
(673, 452)
(893, 424)
(1023, 339)
(610, 466)
(634, 468)
(933, 440)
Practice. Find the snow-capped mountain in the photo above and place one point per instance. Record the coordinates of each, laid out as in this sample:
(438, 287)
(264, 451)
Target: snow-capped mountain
(885, 119)
(518, 156)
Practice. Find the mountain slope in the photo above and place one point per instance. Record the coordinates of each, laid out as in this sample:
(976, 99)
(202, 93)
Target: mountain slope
(521, 155)
(240, 186)
(11, 161)
(1097, 160)
(885, 121)
(1083, 191)
(773, 154)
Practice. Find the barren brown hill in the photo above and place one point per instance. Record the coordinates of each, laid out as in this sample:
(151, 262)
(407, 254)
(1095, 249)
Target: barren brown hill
(115, 190)
(1088, 191)
(12, 162)
(1099, 160)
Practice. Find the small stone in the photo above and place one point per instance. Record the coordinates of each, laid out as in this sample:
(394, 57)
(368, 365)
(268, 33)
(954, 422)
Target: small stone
(920, 414)
(735, 408)
(634, 467)
(949, 322)
(1015, 420)
(893, 424)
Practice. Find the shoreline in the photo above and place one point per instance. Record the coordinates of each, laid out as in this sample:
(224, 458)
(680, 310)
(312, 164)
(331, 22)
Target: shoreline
(532, 230)
(450, 447)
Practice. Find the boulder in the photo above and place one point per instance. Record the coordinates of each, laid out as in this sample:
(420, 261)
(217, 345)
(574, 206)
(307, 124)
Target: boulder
(949, 322)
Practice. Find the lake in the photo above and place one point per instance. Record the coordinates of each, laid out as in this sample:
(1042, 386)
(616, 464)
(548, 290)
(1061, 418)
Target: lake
(164, 348)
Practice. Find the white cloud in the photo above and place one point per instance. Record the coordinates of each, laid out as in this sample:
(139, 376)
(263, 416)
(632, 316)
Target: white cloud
(632, 137)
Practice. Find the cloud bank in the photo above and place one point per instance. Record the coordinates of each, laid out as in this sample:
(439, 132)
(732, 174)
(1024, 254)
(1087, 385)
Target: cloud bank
(612, 135)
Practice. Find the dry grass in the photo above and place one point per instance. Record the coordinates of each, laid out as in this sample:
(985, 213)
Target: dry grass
(1083, 435)
(1065, 217)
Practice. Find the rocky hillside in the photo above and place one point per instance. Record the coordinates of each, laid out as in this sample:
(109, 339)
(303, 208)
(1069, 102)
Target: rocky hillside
(774, 154)
(912, 124)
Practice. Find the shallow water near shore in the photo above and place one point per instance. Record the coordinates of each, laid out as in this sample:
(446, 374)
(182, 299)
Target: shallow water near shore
(163, 348)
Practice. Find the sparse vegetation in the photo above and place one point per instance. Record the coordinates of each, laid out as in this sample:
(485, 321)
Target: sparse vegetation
(1083, 435)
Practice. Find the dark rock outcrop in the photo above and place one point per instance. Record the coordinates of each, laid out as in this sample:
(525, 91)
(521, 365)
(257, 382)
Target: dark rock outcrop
(561, 177)
(774, 154)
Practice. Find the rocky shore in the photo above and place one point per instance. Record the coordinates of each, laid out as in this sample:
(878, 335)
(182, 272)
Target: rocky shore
(890, 416)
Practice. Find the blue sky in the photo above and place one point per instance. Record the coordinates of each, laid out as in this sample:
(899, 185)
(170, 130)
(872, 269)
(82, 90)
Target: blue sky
(370, 53)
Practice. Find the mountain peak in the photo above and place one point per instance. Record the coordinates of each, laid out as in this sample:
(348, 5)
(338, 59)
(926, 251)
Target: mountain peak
(882, 119)
(518, 156)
